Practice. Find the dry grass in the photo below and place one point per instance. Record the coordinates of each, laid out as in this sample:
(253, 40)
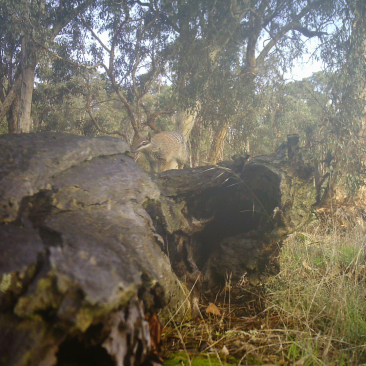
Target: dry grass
(322, 287)
(312, 313)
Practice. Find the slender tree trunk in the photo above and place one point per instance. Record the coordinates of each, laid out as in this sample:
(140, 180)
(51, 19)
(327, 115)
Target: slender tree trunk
(30, 57)
(218, 142)
(359, 28)
(195, 145)
(26, 92)
(12, 115)
(9, 100)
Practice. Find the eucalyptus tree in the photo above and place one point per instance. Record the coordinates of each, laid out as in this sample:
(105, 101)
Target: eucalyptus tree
(10, 78)
(131, 42)
(345, 57)
(252, 32)
(186, 42)
(27, 29)
(59, 105)
(210, 52)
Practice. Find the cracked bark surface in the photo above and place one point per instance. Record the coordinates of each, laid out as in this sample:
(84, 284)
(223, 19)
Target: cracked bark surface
(92, 244)
(79, 251)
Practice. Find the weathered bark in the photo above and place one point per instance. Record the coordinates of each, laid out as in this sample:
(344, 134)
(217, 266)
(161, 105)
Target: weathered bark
(80, 260)
(195, 145)
(26, 93)
(85, 235)
(237, 207)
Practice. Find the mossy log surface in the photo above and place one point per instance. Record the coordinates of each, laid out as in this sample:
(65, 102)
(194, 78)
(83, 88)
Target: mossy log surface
(92, 246)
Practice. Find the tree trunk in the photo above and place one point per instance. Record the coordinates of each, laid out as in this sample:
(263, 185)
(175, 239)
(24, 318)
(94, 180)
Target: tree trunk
(218, 143)
(195, 145)
(12, 115)
(26, 92)
(185, 120)
(52, 303)
(9, 100)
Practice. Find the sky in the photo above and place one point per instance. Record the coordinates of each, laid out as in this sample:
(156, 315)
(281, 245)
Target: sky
(308, 65)
(303, 70)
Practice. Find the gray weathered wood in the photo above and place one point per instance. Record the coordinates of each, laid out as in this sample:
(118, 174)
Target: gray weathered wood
(91, 244)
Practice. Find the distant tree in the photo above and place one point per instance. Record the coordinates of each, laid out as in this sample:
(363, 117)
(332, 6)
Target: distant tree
(345, 57)
(213, 59)
(27, 29)
(62, 106)
(186, 42)
(249, 34)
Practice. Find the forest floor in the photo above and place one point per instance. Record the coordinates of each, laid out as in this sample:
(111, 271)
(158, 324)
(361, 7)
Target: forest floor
(313, 312)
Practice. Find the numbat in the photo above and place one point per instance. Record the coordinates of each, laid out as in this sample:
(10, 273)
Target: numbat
(164, 151)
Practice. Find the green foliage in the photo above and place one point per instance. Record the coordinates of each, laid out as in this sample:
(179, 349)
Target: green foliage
(61, 104)
(28, 28)
(199, 360)
(133, 64)
(61, 107)
(3, 129)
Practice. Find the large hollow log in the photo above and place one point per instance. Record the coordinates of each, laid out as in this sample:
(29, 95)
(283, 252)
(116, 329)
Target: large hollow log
(92, 246)
(233, 216)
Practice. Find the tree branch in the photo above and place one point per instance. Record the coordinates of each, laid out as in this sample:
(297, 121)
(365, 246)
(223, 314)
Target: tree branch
(66, 17)
(307, 32)
(101, 129)
(96, 124)
(290, 26)
(123, 99)
(94, 34)
(54, 54)
(150, 118)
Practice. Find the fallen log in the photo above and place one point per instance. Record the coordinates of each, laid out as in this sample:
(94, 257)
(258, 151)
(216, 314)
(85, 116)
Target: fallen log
(93, 246)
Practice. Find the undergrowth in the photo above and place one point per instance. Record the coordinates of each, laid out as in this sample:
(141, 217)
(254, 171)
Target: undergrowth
(313, 312)
(322, 287)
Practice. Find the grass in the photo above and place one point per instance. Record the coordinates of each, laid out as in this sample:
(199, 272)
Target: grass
(180, 358)
(322, 284)
(312, 313)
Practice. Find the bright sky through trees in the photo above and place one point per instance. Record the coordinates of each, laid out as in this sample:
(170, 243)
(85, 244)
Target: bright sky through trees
(309, 63)
(303, 69)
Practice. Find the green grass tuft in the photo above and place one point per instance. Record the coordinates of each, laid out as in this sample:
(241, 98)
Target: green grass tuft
(199, 360)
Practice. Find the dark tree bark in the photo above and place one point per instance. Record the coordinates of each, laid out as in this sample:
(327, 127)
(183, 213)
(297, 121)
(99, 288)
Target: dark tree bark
(88, 241)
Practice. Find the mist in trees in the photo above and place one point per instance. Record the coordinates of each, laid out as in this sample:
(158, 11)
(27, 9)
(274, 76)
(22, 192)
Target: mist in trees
(215, 71)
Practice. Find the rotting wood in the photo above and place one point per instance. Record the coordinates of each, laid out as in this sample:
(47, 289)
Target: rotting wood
(89, 237)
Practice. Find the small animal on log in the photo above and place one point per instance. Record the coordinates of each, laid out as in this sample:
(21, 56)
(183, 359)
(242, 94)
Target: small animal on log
(164, 151)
